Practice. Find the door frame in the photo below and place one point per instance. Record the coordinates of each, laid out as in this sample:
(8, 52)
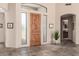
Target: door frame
(28, 28)
(74, 20)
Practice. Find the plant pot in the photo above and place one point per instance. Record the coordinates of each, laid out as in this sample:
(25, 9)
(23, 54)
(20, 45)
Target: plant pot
(55, 41)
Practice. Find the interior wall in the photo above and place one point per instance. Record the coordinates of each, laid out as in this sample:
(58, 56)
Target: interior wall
(50, 20)
(3, 19)
(9, 17)
(61, 9)
(4, 5)
(13, 36)
(10, 33)
(18, 26)
(2, 28)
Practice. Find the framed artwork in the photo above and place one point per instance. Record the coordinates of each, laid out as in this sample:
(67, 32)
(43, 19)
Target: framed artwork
(50, 25)
(10, 25)
(1, 25)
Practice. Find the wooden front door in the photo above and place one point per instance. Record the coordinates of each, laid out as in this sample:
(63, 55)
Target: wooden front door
(35, 20)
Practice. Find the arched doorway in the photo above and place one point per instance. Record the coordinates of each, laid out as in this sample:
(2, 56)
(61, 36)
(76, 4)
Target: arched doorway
(67, 28)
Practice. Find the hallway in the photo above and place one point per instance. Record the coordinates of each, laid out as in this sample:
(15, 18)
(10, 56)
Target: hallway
(45, 50)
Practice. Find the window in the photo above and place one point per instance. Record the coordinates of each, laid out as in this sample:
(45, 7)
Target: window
(45, 28)
(35, 7)
(24, 28)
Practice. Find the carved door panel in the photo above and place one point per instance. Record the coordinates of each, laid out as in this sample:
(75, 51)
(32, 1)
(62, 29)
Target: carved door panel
(35, 29)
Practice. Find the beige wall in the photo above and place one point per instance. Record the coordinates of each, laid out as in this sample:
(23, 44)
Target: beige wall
(4, 6)
(10, 17)
(2, 30)
(13, 36)
(61, 9)
(10, 33)
(50, 20)
(18, 26)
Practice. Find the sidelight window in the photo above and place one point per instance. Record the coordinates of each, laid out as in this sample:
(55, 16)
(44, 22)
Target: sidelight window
(45, 28)
(24, 28)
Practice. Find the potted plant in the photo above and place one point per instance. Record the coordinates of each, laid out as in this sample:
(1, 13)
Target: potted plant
(56, 36)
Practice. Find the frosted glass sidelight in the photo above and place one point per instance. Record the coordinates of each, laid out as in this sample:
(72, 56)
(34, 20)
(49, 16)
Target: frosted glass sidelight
(24, 28)
(44, 28)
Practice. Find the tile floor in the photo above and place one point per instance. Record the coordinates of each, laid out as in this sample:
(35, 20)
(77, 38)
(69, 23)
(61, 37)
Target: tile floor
(45, 50)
